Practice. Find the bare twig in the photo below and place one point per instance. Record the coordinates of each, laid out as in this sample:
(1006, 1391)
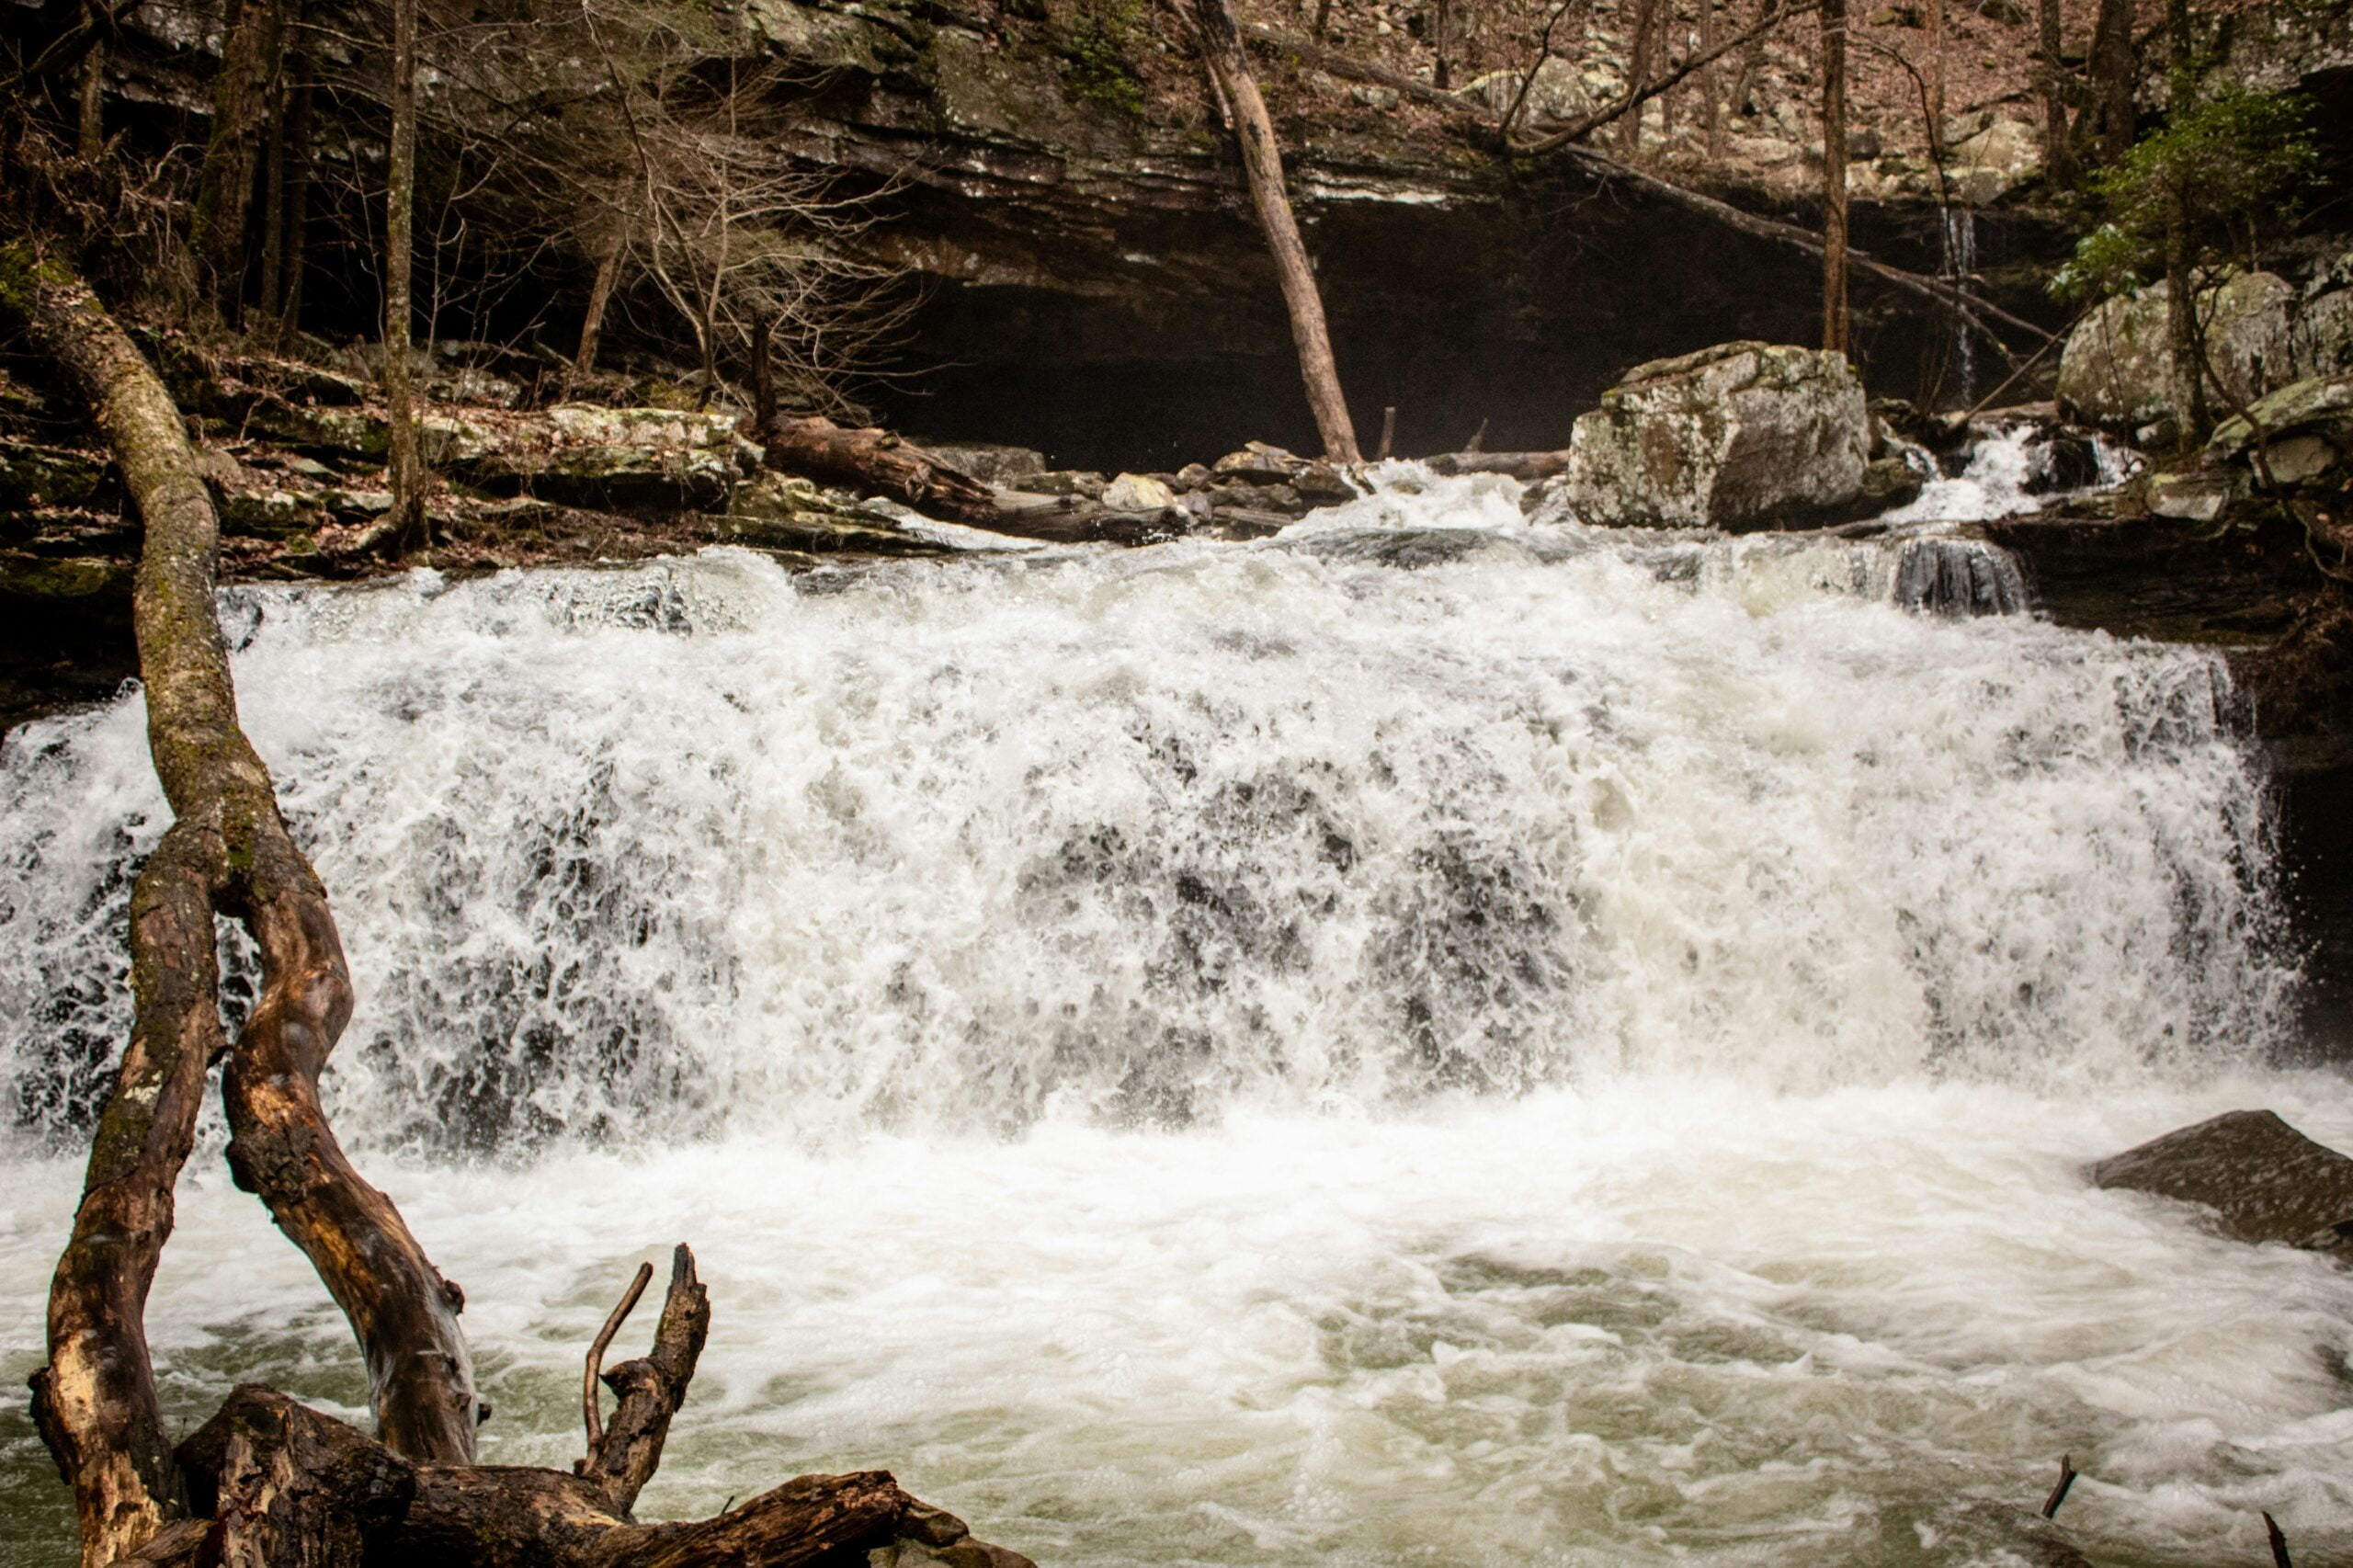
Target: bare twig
(2059, 1493)
(2278, 1543)
(1543, 55)
(590, 1414)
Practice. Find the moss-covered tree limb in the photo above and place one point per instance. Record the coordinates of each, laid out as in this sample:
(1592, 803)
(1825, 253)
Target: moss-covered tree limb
(228, 851)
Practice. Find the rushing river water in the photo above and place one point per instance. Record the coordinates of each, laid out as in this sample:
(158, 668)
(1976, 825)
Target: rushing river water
(1430, 1039)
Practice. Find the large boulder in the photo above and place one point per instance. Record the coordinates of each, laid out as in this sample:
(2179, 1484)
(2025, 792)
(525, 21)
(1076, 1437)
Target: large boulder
(1740, 436)
(1991, 156)
(1559, 92)
(2263, 333)
(2261, 1180)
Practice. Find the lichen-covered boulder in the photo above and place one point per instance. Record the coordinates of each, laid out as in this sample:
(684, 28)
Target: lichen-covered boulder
(2323, 335)
(2116, 370)
(615, 459)
(1558, 95)
(1740, 436)
(1987, 161)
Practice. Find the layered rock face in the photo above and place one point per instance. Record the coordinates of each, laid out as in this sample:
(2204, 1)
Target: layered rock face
(1739, 436)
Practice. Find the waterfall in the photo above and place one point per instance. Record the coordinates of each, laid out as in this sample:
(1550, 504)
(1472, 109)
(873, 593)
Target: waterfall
(1437, 1036)
(1148, 836)
(1958, 267)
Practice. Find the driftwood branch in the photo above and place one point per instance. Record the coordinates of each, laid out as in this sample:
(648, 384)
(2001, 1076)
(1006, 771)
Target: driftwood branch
(290, 1488)
(590, 1417)
(650, 1390)
(2276, 1541)
(2059, 1490)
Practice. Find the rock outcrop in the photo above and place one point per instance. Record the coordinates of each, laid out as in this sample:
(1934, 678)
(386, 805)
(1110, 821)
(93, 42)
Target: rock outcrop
(2263, 333)
(2261, 1179)
(2306, 450)
(2307, 435)
(1739, 436)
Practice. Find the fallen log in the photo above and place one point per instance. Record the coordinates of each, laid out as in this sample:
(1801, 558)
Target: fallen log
(874, 463)
(1518, 465)
(267, 1483)
(1068, 520)
(292, 1488)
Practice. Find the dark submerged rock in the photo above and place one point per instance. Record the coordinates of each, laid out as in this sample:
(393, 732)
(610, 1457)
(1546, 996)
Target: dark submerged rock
(2262, 1180)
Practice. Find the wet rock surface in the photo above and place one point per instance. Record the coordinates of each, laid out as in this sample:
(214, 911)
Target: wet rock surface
(2258, 1178)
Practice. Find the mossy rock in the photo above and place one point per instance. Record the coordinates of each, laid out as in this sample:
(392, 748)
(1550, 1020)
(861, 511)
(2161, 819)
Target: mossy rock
(54, 579)
(268, 514)
(34, 476)
(349, 435)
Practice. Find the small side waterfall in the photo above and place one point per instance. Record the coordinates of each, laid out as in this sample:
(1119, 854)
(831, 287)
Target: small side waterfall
(1958, 267)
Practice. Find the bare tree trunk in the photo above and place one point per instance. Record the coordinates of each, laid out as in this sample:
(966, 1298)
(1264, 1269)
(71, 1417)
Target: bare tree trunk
(2112, 72)
(286, 309)
(407, 469)
(90, 131)
(2057, 152)
(273, 204)
(2181, 279)
(1229, 70)
(1638, 76)
(225, 181)
(1834, 174)
(228, 849)
(1441, 24)
(600, 294)
(1936, 83)
(1711, 108)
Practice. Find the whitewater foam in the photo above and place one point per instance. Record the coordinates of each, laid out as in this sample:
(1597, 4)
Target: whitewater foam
(1434, 1038)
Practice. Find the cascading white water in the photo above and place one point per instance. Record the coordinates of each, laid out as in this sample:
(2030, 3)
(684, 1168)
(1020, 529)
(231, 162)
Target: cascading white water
(1960, 269)
(1430, 1038)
